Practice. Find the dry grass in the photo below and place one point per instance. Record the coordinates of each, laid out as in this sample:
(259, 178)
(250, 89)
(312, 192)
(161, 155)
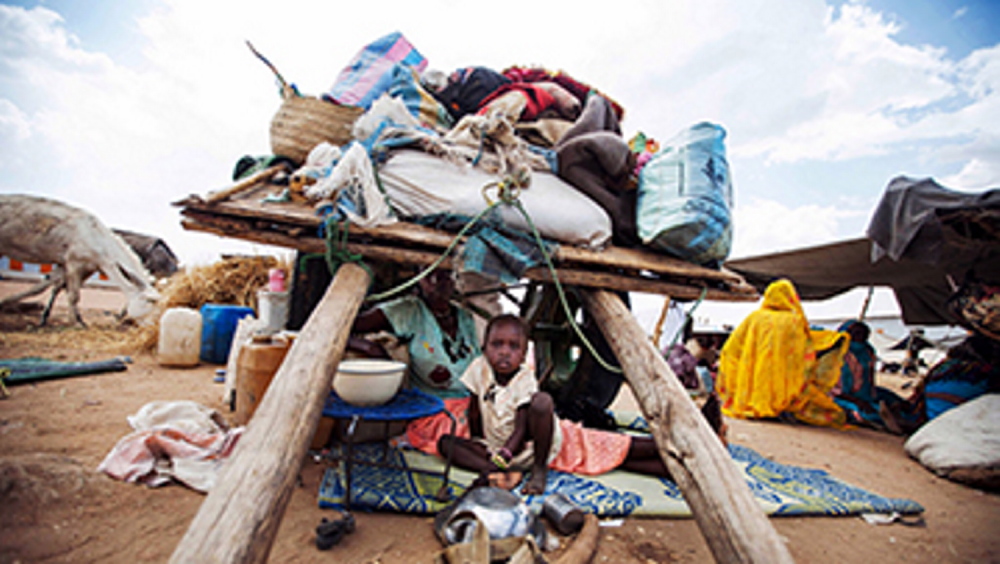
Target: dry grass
(231, 281)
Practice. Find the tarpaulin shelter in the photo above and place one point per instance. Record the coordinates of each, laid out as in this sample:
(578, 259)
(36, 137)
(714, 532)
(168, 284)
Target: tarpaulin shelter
(923, 241)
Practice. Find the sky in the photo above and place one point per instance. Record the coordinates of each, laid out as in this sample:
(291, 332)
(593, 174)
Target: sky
(124, 107)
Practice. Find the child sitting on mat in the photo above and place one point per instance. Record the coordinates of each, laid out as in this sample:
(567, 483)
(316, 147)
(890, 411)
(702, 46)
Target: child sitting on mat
(514, 427)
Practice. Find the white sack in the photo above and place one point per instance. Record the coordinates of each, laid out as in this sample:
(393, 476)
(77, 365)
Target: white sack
(422, 184)
(963, 439)
(384, 108)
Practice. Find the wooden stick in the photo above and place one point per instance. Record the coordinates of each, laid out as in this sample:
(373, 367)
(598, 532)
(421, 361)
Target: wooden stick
(733, 524)
(239, 518)
(252, 180)
(658, 330)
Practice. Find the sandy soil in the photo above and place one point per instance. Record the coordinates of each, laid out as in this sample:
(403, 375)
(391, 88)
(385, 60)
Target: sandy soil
(57, 508)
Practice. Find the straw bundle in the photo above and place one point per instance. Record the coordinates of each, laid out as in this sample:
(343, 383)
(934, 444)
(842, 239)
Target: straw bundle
(302, 122)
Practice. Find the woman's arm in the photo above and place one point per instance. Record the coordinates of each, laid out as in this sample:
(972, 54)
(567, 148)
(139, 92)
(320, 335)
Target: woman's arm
(368, 321)
(371, 320)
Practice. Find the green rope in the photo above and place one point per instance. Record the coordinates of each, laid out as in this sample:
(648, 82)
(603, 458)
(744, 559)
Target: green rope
(423, 273)
(562, 295)
(336, 233)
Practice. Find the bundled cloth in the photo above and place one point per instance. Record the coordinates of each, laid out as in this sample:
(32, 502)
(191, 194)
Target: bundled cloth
(172, 441)
(370, 72)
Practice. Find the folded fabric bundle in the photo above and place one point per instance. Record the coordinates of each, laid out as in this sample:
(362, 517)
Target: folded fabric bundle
(370, 72)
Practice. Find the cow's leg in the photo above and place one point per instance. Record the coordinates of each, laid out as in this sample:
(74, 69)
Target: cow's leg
(32, 291)
(56, 288)
(73, 283)
(58, 281)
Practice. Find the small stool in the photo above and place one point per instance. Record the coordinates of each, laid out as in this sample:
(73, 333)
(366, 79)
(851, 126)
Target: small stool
(407, 405)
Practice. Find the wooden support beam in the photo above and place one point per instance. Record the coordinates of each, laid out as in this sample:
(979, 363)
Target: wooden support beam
(568, 276)
(733, 524)
(239, 518)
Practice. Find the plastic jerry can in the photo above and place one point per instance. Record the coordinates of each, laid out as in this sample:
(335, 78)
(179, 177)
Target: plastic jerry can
(218, 323)
(179, 342)
(256, 365)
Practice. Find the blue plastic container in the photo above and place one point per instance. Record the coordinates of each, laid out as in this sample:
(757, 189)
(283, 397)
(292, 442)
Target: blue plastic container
(218, 323)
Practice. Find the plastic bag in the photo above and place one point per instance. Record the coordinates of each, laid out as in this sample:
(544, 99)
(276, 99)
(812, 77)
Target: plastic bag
(685, 195)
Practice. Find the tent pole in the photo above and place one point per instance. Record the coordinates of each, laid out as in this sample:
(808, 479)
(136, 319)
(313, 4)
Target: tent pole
(733, 524)
(868, 301)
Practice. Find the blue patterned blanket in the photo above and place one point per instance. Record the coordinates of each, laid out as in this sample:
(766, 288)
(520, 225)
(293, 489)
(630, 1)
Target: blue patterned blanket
(779, 488)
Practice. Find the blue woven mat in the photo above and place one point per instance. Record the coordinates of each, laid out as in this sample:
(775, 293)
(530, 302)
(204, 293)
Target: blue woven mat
(780, 489)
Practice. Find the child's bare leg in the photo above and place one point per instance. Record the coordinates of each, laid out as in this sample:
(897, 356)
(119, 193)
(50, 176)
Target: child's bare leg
(540, 428)
(644, 457)
(467, 454)
(507, 480)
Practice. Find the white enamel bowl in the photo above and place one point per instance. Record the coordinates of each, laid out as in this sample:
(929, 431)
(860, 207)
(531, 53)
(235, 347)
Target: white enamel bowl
(368, 381)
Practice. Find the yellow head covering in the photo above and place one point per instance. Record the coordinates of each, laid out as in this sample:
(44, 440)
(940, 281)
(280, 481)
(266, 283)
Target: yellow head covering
(768, 365)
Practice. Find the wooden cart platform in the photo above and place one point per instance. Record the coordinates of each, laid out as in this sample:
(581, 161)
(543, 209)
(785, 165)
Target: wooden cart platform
(242, 213)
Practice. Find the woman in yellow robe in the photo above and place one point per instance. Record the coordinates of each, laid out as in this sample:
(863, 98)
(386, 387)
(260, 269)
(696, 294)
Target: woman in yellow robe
(774, 364)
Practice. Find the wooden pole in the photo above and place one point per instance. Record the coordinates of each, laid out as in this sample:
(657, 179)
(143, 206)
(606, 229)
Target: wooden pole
(659, 322)
(868, 301)
(244, 184)
(239, 518)
(734, 526)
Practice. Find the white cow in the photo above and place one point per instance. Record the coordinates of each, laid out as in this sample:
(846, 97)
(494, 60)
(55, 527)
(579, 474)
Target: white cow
(41, 230)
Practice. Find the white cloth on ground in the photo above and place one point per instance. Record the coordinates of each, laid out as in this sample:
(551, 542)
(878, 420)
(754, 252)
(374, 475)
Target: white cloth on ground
(180, 440)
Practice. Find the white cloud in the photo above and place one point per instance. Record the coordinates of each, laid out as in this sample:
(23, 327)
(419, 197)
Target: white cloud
(764, 226)
(13, 122)
(791, 81)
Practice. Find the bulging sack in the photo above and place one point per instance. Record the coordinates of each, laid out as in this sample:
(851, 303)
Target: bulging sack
(685, 196)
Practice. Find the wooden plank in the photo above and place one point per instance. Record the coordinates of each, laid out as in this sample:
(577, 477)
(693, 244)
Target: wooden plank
(570, 277)
(734, 526)
(240, 516)
(248, 206)
(624, 283)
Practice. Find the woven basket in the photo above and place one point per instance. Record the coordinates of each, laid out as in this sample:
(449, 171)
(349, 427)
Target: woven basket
(302, 122)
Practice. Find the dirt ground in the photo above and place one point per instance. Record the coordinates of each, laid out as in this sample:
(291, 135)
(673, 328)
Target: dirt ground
(55, 507)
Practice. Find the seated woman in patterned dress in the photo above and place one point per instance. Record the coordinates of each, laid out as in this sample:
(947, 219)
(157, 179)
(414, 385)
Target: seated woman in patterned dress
(857, 393)
(971, 369)
(441, 340)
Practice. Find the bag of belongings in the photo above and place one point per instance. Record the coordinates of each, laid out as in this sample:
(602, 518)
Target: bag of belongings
(685, 195)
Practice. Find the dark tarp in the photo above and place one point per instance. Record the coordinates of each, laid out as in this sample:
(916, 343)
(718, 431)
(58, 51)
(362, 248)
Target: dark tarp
(32, 369)
(937, 236)
(156, 256)
(925, 222)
